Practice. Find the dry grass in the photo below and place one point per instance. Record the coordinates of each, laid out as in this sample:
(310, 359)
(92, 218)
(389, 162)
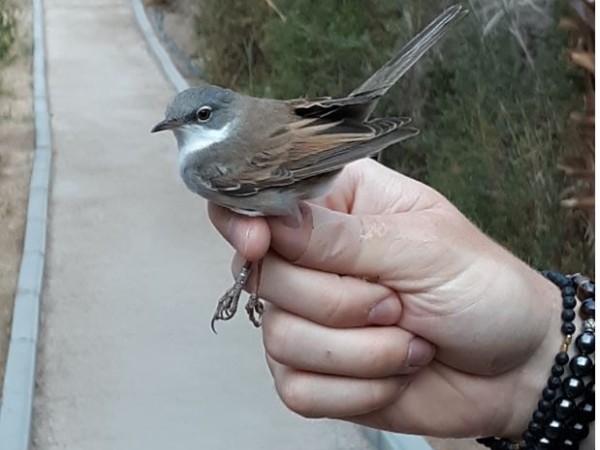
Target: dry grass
(16, 150)
(580, 165)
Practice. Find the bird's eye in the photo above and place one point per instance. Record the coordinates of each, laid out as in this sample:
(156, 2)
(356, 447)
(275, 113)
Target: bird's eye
(204, 113)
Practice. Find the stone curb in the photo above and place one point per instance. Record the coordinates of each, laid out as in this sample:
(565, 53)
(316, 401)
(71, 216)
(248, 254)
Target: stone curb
(156, 48)
(16, 409)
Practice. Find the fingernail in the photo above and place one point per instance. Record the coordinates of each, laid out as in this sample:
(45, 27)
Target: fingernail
(420, 353)
(234, 234)
(386, 312)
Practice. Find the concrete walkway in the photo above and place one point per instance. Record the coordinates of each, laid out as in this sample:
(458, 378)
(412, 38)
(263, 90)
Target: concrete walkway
(127, 360)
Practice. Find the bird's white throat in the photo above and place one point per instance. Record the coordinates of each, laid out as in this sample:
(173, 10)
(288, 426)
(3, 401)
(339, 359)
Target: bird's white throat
(195, 138)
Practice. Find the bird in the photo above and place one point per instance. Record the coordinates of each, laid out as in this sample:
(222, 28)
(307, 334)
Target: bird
(263, 157)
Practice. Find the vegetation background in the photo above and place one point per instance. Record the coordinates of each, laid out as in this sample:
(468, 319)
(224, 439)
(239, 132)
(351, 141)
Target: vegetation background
(493, 101)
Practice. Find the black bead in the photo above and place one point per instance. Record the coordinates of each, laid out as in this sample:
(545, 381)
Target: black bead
(487, 441)
(585, 411)
(557, 278)
(557, 370)
(568, 291)
(578, 431)
(588, 309)
(548, 394)
(586, 342)
(535, 428)
(544, 406)
(577, 279)
(573, 387)
(586, 289)
(563, 407)
(569, 301)
(554, 428)
(527, 436)
(538, 416)
(561, 358)
(581, 366)
(567, 444)
(590, 391)
(553, 382)
(543, 443)
(567, 328)
(567, 315)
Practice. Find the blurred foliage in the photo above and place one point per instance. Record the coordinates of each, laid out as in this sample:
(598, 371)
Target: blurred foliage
(493, 127)
(495, 135)
(7, 29)
(232, 33)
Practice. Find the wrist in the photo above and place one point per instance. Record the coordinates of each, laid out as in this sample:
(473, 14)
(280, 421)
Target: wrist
(534, 373)
(565, 414)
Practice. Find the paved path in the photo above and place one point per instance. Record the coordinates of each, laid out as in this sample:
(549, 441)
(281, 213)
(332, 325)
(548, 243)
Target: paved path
(127, 360)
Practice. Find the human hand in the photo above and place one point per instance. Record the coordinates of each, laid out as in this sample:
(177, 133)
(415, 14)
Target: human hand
(382, 262)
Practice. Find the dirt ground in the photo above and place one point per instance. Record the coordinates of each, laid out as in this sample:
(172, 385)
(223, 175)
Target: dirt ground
(16, 151)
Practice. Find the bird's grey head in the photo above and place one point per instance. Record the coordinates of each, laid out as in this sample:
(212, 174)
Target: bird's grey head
(204, 106)
(200, 117)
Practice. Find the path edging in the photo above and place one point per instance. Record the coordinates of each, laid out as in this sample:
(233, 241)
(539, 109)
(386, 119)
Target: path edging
(156, 49)
(16, 408)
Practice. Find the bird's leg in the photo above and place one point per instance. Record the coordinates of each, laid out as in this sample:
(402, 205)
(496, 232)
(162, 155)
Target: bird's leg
(254, 307)
(228, 303)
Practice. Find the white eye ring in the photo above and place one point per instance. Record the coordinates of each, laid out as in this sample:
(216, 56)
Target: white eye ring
(203, 114)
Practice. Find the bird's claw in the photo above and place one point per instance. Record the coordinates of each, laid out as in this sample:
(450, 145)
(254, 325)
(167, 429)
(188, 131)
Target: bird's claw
(228, 303)
(227, 306)
(255, 309)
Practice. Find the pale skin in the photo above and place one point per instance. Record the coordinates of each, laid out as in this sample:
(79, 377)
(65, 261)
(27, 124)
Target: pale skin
(432, 328)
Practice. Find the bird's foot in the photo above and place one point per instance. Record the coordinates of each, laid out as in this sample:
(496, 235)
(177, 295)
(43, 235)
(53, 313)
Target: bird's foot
(228, 303)
(255, 309)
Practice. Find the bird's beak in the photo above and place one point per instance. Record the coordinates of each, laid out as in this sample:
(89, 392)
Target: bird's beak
(167, 124)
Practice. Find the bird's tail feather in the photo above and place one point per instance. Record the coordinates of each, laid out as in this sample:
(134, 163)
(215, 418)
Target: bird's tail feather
(382, 80)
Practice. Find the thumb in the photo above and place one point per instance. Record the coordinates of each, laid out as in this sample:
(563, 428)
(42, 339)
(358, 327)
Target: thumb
(250, 236)
(372, 246)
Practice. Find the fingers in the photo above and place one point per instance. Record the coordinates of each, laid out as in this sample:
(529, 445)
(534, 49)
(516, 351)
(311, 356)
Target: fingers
(367, 352)
(250, 236)
(324, 298)
(318, 395)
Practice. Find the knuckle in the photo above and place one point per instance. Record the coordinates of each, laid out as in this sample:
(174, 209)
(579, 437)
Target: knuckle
(381, 358)
(294, 392)
(275, 334)
(334, 310)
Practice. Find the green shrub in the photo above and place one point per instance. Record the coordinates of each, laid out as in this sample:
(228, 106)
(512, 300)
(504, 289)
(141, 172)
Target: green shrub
(7, 29)
(232, 33)
(493, 127)
(494, 134)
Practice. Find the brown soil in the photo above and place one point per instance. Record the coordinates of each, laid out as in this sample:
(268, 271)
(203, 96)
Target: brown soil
(16, 151)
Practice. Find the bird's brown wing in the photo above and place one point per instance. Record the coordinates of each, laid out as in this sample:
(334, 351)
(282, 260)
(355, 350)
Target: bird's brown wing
(383, 133)
(307, 148)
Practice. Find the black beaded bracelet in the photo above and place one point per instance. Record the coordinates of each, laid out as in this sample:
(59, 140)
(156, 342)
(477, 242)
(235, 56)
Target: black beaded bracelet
(562, 417)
